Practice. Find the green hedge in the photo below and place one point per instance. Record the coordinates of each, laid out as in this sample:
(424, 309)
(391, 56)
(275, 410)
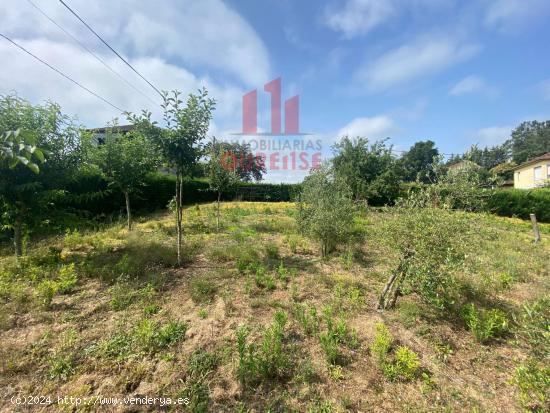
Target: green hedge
(89, 192)
(520, 203)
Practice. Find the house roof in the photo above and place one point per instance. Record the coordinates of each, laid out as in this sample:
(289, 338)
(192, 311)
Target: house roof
(545, 157)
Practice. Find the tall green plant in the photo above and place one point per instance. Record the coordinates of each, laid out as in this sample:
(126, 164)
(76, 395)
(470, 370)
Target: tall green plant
(24, 194)
(325, 209)
(125, 160)
(180, 140)
(220, 174)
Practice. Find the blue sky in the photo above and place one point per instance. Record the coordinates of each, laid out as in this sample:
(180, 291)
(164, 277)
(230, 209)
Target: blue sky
(456, 72)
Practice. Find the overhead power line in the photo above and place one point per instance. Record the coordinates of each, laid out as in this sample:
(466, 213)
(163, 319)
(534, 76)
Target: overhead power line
(85, 48)
(61, 73)
(109, 46)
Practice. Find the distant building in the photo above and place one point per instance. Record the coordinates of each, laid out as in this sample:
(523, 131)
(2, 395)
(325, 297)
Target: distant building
(533, 173)
(99, 133)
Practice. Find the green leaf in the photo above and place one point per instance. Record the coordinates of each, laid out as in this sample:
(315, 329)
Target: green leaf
(23, 160)
(33, 167)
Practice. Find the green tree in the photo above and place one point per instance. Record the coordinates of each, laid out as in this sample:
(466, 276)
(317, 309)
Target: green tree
(418, 160)
(25, 194)
(370, 171)
(530, 139)
(325, 209)
(431, 243)
(125, 160)
(180, 140)
(15, 149)
(220, 174)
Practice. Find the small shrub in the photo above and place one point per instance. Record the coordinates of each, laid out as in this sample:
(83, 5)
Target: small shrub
(67, 279)
(46, 290)
(382, 343)
(402, 364)
(202, 290)
(325, 210)
(485, 325)
(266, 361)
(337, 334)
(406, 363)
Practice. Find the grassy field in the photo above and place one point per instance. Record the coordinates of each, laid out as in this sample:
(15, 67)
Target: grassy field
(256, 321)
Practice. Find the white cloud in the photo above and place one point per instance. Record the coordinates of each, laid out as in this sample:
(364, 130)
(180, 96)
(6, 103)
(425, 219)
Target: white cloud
(421, 57)
(469, 84)
(358, 17)
(194, 33)
(36, 82)
(377, 127)
(186, 43)
(494, 135)
(514, 15)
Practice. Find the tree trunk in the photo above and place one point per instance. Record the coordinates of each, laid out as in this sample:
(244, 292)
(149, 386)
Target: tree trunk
(18, 236)
(218, 212)
(128, 211)
(179, 213)
(392, 289)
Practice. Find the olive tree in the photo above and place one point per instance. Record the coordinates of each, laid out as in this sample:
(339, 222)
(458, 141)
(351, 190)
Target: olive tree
(325, 209)
(125, 160)
(431, 245)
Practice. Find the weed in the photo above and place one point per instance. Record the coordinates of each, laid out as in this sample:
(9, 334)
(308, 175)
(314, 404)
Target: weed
(202, 290)
(533, 382)
(266, 361)
(272, 251)
(61, 367)
(382, 343)
(534, 325)
(202, 363)
(320, 406)
(46, 290)
(146, 337)
(203, 313)
(337, 334)
(335, 372)
(307, 318)
(264, 280)
(403, 364)
(406, 364)
(67, 279)
(485, 325)
(151, 309)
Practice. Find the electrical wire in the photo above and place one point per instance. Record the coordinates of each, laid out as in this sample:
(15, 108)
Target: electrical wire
(85, 48)
(62, 74)
(109, 46)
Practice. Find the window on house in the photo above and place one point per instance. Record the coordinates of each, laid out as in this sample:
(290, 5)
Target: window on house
(538, 173)
(548, 171)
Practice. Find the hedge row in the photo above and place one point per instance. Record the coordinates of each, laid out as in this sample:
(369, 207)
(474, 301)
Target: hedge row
(520, 203)
(90, 192)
